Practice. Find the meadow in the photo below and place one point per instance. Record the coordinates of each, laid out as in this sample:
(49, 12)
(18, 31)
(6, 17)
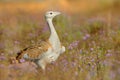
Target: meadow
(92, 42)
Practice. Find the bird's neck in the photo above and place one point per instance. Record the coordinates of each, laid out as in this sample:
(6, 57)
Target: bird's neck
(53, 39)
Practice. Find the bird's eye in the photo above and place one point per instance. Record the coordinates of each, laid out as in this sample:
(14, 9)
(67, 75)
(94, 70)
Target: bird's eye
(51, 13)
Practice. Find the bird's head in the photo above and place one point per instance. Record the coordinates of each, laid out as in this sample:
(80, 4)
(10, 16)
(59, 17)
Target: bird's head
(51, 14)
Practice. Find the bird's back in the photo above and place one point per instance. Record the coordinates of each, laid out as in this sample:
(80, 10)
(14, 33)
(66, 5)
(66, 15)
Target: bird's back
(34, 52)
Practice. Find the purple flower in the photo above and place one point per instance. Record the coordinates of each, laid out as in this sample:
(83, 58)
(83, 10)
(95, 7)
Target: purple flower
(16, 42)
(49, 69)
(81, 51)
(112, 75)
(22, 60)
(2, 58)
(45, 29)
(91, 49)
(86, 36)
(108, 55)
(64, 62)
(31, 34)
(92, 60)
(108, 51)
(73, 45)
(73, 64)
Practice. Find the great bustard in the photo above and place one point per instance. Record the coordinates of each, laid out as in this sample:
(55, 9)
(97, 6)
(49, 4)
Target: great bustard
(47, 51)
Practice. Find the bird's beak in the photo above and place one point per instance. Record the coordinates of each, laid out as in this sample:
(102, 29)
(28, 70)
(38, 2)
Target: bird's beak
(57, 13)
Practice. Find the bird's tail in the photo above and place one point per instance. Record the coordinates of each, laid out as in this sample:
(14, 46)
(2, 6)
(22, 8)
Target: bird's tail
(20, 54)
(19, 57)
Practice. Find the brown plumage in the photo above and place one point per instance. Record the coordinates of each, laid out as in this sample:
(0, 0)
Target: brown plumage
(34, 51)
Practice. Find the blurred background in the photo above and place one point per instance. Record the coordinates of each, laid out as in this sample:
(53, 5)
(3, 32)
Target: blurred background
(89, 29)
(108, 9)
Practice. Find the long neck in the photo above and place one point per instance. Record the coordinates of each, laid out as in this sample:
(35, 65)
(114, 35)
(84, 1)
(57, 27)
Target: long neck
(54, 39)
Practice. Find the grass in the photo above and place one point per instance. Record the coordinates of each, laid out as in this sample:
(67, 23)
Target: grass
(92, 48)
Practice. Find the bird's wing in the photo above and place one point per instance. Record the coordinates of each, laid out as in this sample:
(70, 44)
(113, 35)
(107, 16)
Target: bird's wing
(34, 51)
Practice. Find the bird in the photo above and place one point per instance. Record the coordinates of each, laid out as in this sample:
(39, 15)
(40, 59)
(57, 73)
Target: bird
(47, 51)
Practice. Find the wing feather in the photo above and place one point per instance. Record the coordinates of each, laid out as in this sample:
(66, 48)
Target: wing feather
(34, 51)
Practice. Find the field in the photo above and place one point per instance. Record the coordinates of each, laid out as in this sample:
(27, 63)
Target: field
(91, 37)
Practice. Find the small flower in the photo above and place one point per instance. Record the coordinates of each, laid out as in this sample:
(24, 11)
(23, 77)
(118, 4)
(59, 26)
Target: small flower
(2, 58)
(64, 62)
(108, 55)
(45, 29)
(86, 36)
(31, 34)
(73, 45)
(73, 64)
(16, 42)
(91, 49)
(108, 51)
(22, 60)
(92, 60)
(112, 75)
